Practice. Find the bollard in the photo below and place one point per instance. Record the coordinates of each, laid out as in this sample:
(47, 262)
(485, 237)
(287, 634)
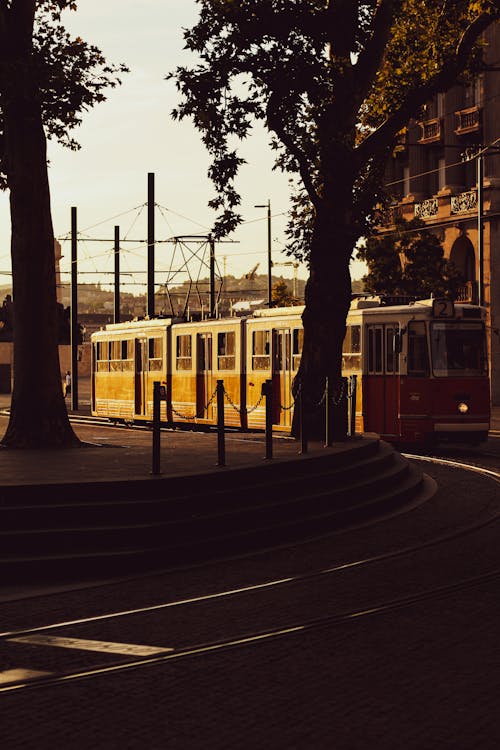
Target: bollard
(352, 405)
(303, 431)
(328, 414)
(156, 428)
(221, 438)
(267, 391)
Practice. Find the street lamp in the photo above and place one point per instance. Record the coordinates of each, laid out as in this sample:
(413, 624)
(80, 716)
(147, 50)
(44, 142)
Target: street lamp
(269, 261)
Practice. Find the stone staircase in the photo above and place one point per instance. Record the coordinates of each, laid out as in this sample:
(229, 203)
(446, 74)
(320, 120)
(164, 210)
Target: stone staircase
(104, 529)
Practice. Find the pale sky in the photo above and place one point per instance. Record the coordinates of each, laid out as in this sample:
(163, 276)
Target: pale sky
(131, 134)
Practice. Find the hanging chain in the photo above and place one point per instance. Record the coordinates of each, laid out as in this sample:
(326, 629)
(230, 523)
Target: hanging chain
(194, 416)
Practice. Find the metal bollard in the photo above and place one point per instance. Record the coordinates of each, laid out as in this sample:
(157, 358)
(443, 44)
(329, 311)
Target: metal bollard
(303, 430)
(328, 414)
(267, 390)
(156, 428)
(352, 405)
(221, 438)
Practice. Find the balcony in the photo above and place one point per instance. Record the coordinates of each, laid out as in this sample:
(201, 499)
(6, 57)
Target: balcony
(432, 130)
(468, 121)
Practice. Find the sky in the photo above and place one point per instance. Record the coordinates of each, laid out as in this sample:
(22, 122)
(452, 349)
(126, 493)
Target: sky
(133, 134)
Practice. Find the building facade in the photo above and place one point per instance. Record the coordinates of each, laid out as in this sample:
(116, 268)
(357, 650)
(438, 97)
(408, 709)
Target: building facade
(445, 170)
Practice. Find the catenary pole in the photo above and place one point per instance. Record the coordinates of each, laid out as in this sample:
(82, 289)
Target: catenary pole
(116, 317)
(74, 333)
(151, 245)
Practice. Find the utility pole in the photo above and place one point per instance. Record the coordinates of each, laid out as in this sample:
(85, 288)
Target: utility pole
(74, 312)
(151, 245)
(480, 226)
(269, 259)
(116, 317)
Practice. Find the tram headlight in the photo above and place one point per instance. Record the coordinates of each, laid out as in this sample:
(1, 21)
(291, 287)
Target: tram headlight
(463, 408)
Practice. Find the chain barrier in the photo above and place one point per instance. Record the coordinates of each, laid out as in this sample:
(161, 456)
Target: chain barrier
(241, 410)
(346, 389)
(194, 416)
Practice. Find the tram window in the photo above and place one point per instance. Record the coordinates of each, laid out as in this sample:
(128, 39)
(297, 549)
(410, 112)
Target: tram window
(297, 345)
(102, 356)
(458, 349)
(418, 359)
(226, 350)
(127, 355)
(392, 359)
(375, 344)
(115, 358)
(183, 352)
(261, 350)
(155, 354)
(351, 348)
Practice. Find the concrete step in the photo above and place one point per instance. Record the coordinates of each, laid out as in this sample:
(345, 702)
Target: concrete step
(278, 504)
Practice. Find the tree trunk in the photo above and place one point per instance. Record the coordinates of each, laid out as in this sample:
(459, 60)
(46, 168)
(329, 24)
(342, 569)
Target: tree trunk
(38, 417)
(327, 299)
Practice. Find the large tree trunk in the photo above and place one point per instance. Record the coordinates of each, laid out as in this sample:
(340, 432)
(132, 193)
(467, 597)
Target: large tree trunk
(38, 416)
(327, 299)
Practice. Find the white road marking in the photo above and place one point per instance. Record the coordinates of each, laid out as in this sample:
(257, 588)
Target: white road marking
(9, 676)
(129, 649)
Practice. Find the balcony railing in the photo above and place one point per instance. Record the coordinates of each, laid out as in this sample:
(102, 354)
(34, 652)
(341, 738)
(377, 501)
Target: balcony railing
(468, 121)
(432, 130)
(426, 209)
(463, 202)
(468, 293)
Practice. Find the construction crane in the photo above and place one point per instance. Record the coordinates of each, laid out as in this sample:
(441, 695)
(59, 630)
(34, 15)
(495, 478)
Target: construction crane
(251, 274)
(295, 267)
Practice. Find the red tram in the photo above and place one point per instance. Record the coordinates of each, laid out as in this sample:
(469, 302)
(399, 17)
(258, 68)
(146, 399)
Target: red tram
(421, 369)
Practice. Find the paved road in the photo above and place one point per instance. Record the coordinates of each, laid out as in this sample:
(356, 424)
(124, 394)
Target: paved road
(422, 676)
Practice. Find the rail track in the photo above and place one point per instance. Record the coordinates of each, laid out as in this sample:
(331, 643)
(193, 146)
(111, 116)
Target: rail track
(274, 596)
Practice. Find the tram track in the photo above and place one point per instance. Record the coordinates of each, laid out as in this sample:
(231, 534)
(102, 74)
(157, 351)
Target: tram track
(294, 626)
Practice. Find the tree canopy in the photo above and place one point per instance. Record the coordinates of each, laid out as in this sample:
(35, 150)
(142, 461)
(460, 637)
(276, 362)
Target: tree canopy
(333, 80)
(68, 74)
(409, 262)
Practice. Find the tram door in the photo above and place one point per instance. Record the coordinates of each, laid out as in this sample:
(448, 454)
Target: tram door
(381, 387)
(282, 376)
(204, 377)
(140, 377)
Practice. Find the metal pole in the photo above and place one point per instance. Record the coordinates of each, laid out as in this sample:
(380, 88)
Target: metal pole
(269, 260)
(74, 332)
(212, 276)
(480, 227)
(303, 431)
(155, 466)
(221, 438)
(328, 439)
(267, 389)
(151, 245)
(352, 402)
(116, 317)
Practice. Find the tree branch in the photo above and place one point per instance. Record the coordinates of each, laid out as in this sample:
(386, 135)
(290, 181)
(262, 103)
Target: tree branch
(275, 123)
(442, 81)
(371, 57)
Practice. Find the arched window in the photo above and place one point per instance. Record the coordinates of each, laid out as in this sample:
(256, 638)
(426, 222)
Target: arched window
(463, 257)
